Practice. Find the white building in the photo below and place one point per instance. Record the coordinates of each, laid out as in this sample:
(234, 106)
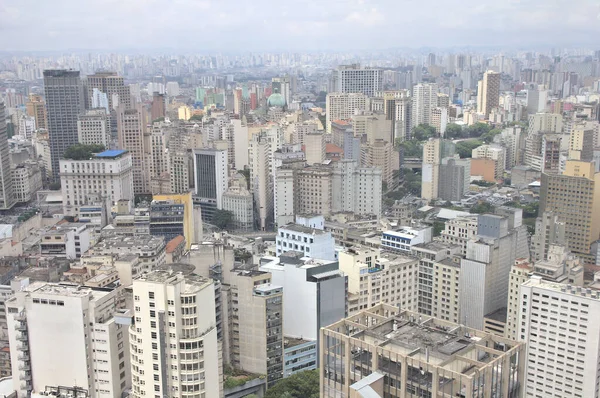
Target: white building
(356, 79)
(238, 200)
(306, 236)
(341, 106)
(424, 101)
(174, 347)
(356, 189)
(561, 326)
(109, 173)
(68, 241)
(402, 240)
(93, 127)
(65, 335)
(151, 249)
(27, 180)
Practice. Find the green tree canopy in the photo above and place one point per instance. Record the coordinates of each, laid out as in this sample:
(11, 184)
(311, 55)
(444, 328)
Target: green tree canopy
(489, 136)
(197, 117)
(82, 151)
(300, 385)
(464, 148)
(478, 129)
(482, 208)
(222, 218)
(410, 148)
(423, 132)
(453, 130)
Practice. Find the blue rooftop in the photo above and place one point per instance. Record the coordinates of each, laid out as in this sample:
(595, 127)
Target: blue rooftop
(111, 153)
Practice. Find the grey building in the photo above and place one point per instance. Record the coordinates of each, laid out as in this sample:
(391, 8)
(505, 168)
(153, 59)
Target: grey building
(110, 84)
(210, 180)
(167, 219)
(7, 193)
(451, 184)
(63, 90)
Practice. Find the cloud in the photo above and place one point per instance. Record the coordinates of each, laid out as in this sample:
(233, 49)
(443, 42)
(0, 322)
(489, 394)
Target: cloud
(234, 25)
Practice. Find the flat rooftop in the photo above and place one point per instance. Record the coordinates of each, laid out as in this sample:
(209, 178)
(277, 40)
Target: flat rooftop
(145, 242)
(63, 290)
(193, 282)
(302, 229)
(111, 154)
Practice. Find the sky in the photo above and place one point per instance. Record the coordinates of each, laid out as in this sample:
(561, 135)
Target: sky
(279, 25)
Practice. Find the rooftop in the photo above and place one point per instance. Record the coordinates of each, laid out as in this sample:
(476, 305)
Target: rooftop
(303, 229)
(63, 290)
(174, 243)
(111, 153)
(141, 242)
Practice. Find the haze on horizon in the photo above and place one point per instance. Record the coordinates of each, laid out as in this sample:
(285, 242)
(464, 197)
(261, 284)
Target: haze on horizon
(34, 25)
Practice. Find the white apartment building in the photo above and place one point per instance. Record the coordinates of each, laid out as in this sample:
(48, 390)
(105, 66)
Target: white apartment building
(356, 79)
(402, 240)
(424, 101)
(109, 173)
(93, 127)
(260, 156)
(174, 347)
(356, 189)
(68, 241)
(27, 180)
(305, 238)
(459, 231)
(149, 248)
(561, 326)
(341, 106)
(66, 335)
(374, 277)
(238, 200)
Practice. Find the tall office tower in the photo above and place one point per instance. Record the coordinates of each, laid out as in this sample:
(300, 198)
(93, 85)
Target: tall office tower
(159, 157)
(431, 59)
(488, 93)
(356, 189)
(424, 356)
(370, 126)
(380, 154)
(439, 120)
(495, 153)
(372, 278)
(513, 139)
(99, 100)
(431, 167)
(484, 273)
(397, 106)
(109, 174)
(111, 84)
(36, 107)
(355, 79)
(281, 85)
(174, 347)
(559, 323)
(131, 127)
(424, 101)
(210, 179)
(537, 100)
(314, 188)
(93, 127)
(50, 320)
(158, 108)
(581, 143)
(574, 197)
(314, 148)
(341, 106)
(64, 102)
(261, 178)
(7, 193)
(549, 230)
(256, 336)
(314, 296)
(451, 184)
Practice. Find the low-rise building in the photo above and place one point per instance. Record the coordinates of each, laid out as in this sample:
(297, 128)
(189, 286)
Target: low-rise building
(68, 241)
(402, 240)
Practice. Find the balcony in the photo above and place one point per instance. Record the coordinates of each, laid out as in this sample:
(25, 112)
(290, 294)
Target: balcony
(22, 337)
(21, 326)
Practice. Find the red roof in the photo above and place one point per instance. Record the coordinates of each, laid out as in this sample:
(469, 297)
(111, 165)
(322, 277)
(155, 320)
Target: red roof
(174, 243)
(342, 122)
(332, 148)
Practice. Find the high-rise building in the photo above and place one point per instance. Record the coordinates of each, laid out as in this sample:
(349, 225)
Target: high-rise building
(559, 324)
(424, 101)
(158, 109)
(174, 214)
(131, 127)
(397, 106)
(174, 346)
(356, 79)
(495, 153)
(238, 200)
(581, 143)
(419, 355)
(314, 148)
(111, 84)
(488, 93)
(93, 127)
(380, 154)
(549, 230)
(109, 174)
(36, 107)
(451, 184)
(64, 103)
(574, 197)
(431, 168)
(341, 106)
(261, 178)
(210, 178)
(7, 193)
(50, 320)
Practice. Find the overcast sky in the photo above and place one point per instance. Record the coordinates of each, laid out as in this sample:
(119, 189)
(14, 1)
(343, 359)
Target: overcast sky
(197, 25)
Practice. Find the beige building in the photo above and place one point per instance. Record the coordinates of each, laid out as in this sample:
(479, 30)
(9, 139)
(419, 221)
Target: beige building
(375, 278)
(381, 154)
(581, 143)
(574, 197)
(431, 168)
(36, 107)
(488, 93)
(113, 86)
(341, 106)
(495, 153)
(459, 231)
(314, 186)
(314, 148)
(424, 101)
(174, 347)
(419, 355)
(93, 127)
(131, 126)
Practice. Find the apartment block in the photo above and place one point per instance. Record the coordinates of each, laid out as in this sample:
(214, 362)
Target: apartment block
(93, 127)
(306, 237)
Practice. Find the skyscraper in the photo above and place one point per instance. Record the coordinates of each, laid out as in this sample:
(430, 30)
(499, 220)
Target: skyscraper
(424, 101)
(488, 93)
(113, 86)
(7, 194)
(355, 79)
(64, 102)
(210, 178)
(131, 127)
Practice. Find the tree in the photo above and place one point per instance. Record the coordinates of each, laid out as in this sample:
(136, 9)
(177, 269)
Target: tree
(158, 120)
(321, 97)
(478, 129)
(82, 151)
(299, 385)
(453, 130)
(197, 117)
(423, 132)
(222, 218)
(482, 208)
(489, 136)
(465, 148)
(411, 148)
